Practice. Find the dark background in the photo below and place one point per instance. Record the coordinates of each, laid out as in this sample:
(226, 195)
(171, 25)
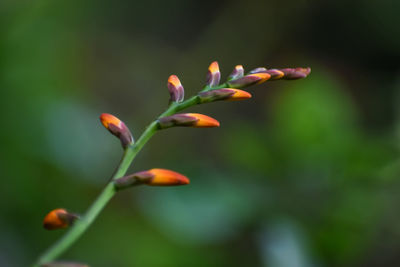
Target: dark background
(306, 173)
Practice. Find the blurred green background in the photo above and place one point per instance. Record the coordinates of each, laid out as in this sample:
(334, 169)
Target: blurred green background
(304, 174)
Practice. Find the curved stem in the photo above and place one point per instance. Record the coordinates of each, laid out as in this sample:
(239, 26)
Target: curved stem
(109, 191)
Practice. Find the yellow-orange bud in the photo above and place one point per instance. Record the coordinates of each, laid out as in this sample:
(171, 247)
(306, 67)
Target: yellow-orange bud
(175, 88)
(58, 219)
(255, 78)
(189, 120)
(117, 127)
(228, 94)
(153, 177)
(213, 74)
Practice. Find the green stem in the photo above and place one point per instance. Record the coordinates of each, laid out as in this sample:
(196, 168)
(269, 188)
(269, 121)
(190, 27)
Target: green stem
(109, 191)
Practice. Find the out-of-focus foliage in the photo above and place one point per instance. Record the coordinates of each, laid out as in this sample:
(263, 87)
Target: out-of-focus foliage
(306, 173)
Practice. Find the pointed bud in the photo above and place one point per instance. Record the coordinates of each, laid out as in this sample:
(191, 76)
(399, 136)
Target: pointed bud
(213, 74)
(117, 128)
(295, 73)
(175, 89)
(237, 72)
(228, 94)
(64, 264)
(248, 80)
(58, 219)
(258, 70)
(154, 177)
(189, 120)
(275, 74)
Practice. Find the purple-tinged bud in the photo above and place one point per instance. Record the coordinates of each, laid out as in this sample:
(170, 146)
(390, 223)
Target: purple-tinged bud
(63, 264)
(175, 89)
(228, 94)
(213, 75)
(295, 73)
(237, 72)
(258, 70)
(275, 74)
(187, 120)
(153, 177)
(117, 128)
(248, 80)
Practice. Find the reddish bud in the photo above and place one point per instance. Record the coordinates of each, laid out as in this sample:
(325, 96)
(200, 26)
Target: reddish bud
(117, 128)
(248, 80)
(153, 177)
(175, 89)
(187, 119)
(237, 72)
(295, 73)
(228, 94)
(213, 75)
(58, 219)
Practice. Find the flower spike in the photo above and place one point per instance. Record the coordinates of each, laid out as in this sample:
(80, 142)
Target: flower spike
(117, 128)
(153, 177)
(58, 219)
(228, 94)
(237, 72)
(175, 89)
(248, 80)
(213, 74)
(188, 120)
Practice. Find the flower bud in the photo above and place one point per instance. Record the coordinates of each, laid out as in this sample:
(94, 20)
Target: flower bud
(228, 94)
(248, 80)
(58, 219)
(153, 177)
(258, 70)
(175, 89)
(117, 128)
(237, 72)
(275, 74)
(64, 264)
(295, 73)
(188, 120)
(213, 74)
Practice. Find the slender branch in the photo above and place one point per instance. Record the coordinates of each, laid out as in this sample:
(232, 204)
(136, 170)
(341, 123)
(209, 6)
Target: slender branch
(109, 191)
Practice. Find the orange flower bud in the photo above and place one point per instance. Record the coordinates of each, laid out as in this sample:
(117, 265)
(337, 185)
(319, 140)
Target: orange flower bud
(58, 219)
(213, 75)
(228, 94)
(117, 128)
(275, 74)
(237, 72)
(153, 177)
(175, 88)
(248, 80)
(187, 119)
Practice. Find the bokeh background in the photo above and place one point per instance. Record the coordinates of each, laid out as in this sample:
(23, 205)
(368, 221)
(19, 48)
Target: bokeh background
(305, 174)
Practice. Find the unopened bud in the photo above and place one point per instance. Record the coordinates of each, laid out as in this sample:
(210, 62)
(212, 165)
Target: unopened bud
(188, 120)
(275, 74)
(295, 73)
(258, 70)
(58, 219)
(175, 89)
(153, 177)
(64, 264)
(248, 80)
(117, 128)
(237, 72)
(213, 74)
(228, 94)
